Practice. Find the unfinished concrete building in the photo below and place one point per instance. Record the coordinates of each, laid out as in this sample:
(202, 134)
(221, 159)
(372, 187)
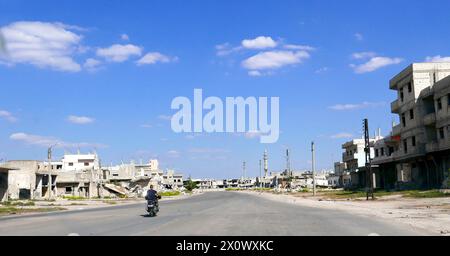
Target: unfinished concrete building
(417, 152)
(4, 183)
(28, 179)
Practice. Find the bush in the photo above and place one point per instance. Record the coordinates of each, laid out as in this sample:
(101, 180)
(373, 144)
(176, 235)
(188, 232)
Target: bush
(13, 203)
(73, 198)
(426, 194)
(232, 189)
(170, 193)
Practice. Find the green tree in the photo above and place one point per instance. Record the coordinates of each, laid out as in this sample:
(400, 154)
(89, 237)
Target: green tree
(190, 185)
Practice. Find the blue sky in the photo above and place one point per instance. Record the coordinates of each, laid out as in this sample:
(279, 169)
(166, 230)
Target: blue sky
(103, 74)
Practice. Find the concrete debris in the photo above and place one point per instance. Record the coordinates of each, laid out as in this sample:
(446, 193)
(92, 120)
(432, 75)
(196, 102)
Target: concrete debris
(116, 189)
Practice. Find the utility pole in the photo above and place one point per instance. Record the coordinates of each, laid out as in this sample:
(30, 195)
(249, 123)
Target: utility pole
(50, 182)
(313, 167)
(288, 164)
(260, 167)
(243, 170)
(266, 166)
(369, 178)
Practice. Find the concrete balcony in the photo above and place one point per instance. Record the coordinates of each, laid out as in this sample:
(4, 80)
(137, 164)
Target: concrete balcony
(432, 146)
(383, 159)
(395, 106)
(396, 130)
(429, 119)
(346, 157)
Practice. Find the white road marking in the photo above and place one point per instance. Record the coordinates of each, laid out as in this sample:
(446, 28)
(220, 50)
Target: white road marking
(73, 234)
(373, 234)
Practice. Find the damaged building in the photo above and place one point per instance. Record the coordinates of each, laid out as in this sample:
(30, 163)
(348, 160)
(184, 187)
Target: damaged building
(27, 179)
(417, 153)
(80, 176)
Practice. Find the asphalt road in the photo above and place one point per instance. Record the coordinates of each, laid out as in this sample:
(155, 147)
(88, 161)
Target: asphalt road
(215, 213)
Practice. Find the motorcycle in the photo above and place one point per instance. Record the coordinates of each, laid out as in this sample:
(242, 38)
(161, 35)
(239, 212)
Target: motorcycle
(152, 207)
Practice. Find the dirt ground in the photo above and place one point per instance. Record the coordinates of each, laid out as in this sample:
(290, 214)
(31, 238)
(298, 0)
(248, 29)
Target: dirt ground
(430, 214)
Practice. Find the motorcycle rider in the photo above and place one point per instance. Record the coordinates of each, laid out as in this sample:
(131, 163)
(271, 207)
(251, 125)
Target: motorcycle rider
(152, 196)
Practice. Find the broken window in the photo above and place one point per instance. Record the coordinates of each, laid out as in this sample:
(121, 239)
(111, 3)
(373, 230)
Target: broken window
(402, 96)
(439, 104)
(411, 114)
(403, 120)
(382, 151)
(441, 133)
(70, 164)
(391, 150)
(409, 87)
(86, 164)
(413, 141)
(68, 190)
(376, 153)
(405, 146)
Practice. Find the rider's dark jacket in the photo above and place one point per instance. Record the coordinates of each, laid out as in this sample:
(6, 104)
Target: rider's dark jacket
(152, 195)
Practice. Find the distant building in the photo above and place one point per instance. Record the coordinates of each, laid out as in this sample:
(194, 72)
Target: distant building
(354, 159)
(80, 162)
(80, 175)
(172, 180)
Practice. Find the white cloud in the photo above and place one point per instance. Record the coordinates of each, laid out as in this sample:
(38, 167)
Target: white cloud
(274, 59)
(342, 135)
(261, 42)
(363, 55)
(207, 150)
(375, 63)
(165, 117)
(437, 58)
(92, 64)
(299, 47)
(321, 70)
(45, 141)
(359, 36)
(119, 52)
(155, 57)
(226, 49)
(41, 44)
(173, 154)
(124, 37)
(8, 116)
(80, 119)
(340, 107)
(254, 73)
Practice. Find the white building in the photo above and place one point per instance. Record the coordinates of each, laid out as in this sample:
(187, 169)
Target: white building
(80, 162)
(354, 158)
(172, 180)
(80, 175)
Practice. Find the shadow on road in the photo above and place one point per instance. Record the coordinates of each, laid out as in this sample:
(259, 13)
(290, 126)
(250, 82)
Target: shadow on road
(147, 216)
